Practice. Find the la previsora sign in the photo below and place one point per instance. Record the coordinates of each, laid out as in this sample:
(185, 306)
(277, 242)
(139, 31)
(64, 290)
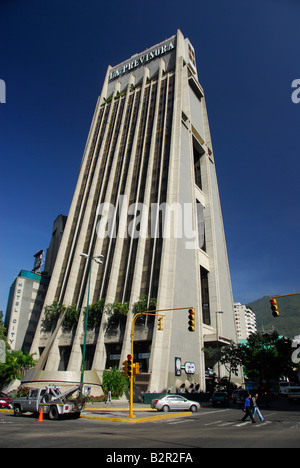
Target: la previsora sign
(142, 59)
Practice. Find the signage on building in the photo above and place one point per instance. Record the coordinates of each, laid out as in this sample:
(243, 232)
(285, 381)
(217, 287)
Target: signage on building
(190, 368)
(15, 316)
(142, 59)
(178, 366)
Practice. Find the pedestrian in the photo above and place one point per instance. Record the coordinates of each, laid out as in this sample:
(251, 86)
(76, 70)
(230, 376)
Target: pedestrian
(256, 408)
(248, 410)
(109, 400)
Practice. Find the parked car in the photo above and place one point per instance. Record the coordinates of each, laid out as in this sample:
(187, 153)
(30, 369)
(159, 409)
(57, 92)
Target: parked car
(175, 403)
(220, 399)
(5, 401)
(239, 396)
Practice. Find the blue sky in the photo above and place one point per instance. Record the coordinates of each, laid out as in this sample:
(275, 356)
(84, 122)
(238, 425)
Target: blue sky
(54, 56)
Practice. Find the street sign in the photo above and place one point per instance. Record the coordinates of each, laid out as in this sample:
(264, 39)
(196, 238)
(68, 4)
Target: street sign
(190, 368)
(178, 366)
(2, 352)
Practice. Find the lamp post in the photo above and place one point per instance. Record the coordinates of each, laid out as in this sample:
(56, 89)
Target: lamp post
(96, 258)
(217, 329)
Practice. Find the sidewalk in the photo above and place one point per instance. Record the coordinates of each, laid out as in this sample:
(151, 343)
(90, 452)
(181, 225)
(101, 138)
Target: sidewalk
(119, 411)
(122, 405)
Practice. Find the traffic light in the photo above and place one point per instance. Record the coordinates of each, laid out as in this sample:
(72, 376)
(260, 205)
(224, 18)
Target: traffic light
(136, 368)
(160, 323)
(191, 320)
(125, 369)
(129, 365)
(274, 307)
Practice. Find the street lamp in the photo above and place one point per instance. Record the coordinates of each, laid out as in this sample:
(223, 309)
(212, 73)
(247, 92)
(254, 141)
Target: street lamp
(96, 258)
(217, 329)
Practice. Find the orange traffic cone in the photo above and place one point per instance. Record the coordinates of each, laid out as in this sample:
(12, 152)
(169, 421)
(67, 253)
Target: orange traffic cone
(41, 419)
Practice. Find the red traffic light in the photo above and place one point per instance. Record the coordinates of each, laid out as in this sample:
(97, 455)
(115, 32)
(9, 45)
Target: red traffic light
(274, 307)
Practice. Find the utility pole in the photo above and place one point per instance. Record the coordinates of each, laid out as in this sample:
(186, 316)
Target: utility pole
(156, 313)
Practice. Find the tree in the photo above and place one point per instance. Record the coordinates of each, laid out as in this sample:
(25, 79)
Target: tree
(114, 381)
(2, 329)
(231, 358)
(16, 366)
(267, 357)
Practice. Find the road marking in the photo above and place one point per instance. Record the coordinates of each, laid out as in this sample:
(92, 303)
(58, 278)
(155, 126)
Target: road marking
(243, 424)
(225, 424)
(177, 422)
(211, 424)
(296, 426)
(212, 412)
(265, 423)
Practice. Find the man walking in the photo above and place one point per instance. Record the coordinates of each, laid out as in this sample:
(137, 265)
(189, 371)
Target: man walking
(109, 400)
(256, 408)
(247, 409)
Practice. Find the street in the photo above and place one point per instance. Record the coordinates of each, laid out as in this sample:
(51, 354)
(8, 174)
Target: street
(209, 428)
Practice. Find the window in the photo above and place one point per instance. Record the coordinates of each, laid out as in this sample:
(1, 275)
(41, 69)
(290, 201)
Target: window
(201, 226)
(205, 296)
(89, 356)
(65, 353)
(198, 153)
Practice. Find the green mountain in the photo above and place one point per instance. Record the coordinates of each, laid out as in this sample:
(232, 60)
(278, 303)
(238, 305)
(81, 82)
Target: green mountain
(288, 324)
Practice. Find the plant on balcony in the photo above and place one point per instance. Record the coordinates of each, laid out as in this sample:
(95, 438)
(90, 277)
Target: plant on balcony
(95, 314)
(117, 313)
(54, 311)
(142, 306)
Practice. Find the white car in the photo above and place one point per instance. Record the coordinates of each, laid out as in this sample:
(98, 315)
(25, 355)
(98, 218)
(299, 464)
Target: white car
(175, 403)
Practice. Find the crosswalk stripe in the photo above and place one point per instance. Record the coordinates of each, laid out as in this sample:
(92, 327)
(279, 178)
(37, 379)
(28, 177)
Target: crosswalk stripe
(243, 424)
(212, 423)
(225, 424)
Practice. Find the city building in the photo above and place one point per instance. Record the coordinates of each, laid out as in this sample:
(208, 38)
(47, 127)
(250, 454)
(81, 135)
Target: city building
(245, 320)
(25, 302)
(147, 200)
(52, 251)
(27, 294)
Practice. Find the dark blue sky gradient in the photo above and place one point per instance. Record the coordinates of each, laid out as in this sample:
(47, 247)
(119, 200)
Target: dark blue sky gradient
(54, 56)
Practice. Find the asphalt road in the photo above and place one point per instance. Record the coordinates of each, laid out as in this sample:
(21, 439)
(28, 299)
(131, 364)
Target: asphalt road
(209, 428)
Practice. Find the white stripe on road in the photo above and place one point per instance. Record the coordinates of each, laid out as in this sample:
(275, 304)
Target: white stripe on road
(243, 424)
(211, 424)
(225, 424)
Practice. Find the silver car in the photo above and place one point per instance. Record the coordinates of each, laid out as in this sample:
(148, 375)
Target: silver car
(175, 403)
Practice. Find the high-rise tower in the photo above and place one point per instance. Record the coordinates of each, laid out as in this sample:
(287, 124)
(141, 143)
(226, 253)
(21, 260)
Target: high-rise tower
(147, 200)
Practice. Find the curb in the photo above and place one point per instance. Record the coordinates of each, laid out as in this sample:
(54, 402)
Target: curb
(137, 421)
(144, 410)
(125, 419)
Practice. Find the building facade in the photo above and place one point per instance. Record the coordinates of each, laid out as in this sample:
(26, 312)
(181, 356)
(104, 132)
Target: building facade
(245, 319)
(52, 251)
(27, 294)
(147, 200)
(25, 302)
